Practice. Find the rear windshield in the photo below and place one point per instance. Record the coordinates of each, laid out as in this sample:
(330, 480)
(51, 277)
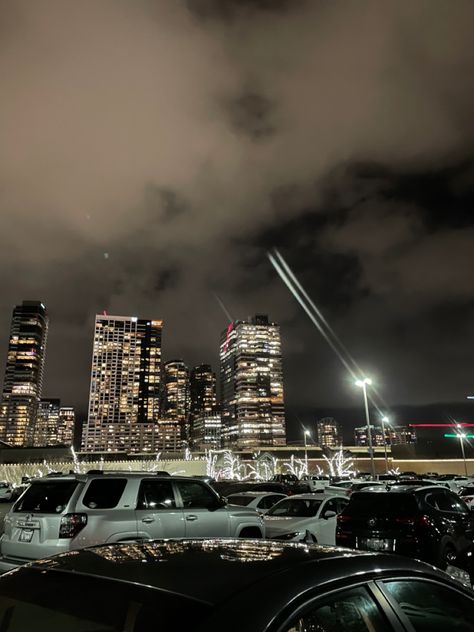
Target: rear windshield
(50, 497)
(380, 504)
(243, 501)
(296, 507)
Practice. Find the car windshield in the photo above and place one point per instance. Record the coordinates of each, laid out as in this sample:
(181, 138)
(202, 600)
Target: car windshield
(243, 501)
(296, 507)
(47, 497)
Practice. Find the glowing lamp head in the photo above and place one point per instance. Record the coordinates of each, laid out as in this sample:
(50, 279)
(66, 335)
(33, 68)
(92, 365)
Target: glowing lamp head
(307, 433)
(365, 382)
(385, 419)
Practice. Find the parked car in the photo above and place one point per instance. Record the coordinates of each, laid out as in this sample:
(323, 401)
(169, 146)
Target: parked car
(251, 586)
(288, 479)
(69, 512)
(429, 523)
(305, 517)
(316, 483)
(261, 501)
(467, 494)
(6, 491)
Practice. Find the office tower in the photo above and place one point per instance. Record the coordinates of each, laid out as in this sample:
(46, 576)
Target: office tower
(206, 431)
(177, 394)
(125, 382)
(67, 423)
(47, 423)
(203, 391)
(361, 436)
(24, 373)
(328, 433)
(251, 376)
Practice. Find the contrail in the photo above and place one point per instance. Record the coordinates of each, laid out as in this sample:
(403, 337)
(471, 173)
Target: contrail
(317, 318)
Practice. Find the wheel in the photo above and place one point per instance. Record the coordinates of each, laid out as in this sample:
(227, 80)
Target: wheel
(447, 556)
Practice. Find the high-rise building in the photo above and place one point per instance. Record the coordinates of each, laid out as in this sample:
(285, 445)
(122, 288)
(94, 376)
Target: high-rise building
(24, 373)
(401, 435)
(125, 382)
(362, 439)
(328, 433)
(177, 394)
(67, 424)
(47, 423)
(251, 376)
(203, 391)
(206, 431)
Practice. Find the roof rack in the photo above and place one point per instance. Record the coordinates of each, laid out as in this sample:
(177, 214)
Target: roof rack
(155, 473)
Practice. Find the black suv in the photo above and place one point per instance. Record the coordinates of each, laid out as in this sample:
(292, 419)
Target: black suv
(429, 523)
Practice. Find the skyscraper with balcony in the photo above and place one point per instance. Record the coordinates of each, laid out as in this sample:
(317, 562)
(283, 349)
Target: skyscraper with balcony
(23, 382)
(177, 394)
(251, 375)
(125, 383)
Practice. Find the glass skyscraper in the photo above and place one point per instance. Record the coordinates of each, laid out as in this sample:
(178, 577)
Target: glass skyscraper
(125, 384)
(177, 394)
(251, 375)
(24, 373)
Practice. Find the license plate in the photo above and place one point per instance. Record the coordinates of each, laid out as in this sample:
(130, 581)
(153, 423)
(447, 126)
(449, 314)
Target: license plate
(377, 544)
(26, 535)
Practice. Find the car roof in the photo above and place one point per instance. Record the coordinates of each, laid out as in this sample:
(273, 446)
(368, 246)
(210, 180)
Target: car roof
(111, 473)
(231, 565)
(256, 493)
(313, 496)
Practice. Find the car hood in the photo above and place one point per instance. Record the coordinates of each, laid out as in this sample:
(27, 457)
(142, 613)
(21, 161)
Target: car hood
(276, 525)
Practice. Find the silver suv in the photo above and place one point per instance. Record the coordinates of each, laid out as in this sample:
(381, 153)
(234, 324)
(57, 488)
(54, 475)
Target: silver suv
(62, 513)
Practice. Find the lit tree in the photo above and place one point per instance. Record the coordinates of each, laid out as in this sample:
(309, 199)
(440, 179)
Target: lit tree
(297, 467)
(340, 465)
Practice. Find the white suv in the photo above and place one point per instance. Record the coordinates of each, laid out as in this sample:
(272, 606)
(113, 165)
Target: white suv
(62, 513)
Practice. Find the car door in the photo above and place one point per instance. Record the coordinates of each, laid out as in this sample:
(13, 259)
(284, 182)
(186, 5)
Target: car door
(203, 515)
(326, 526)
(157, 513)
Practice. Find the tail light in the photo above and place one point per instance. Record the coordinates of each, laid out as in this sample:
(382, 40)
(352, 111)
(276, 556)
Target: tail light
(72, 524)
(468, 499)
(413, 521)
(342, 519)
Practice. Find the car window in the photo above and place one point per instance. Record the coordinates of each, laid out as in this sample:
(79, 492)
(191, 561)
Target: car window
(431, 607)
(349, 611)
(446, 501)
(243, 501)
(48, 497)
(104, 493)
(196, 495)
(330, 505)
(156, 494)
(296, 507)
(268, 501)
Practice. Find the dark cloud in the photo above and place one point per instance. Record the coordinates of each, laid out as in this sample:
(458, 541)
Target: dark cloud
(152, 151)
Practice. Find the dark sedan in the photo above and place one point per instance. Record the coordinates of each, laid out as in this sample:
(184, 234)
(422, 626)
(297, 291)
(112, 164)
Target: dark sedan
(231, 586)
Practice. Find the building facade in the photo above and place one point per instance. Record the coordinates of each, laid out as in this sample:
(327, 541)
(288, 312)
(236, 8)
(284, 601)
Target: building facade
(47, 423)
(67, 425)
(394, 435)
(23, 382)
(203, 391)
(251, 376)
(177, 395)
(328, 433)
(125, 382)
(206, 432)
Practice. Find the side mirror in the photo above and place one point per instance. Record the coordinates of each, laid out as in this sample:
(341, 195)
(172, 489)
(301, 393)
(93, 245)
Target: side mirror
(220, 502)
(329, 514)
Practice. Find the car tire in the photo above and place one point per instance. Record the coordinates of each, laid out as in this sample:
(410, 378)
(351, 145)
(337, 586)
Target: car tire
(447, 556)
(251, 533)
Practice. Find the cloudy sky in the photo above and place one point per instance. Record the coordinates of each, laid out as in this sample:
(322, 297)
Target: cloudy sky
(152, 151)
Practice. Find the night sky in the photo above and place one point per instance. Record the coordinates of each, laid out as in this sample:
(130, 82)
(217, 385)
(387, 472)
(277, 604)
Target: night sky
(151, 152)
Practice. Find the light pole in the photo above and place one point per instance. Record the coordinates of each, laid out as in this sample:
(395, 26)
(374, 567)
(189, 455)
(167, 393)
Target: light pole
(306, 434)
(385, 420)
(366, 381)
(462, 436)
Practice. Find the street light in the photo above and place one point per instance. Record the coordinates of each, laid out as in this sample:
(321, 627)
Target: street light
(366, 381)
(462, 436)
(385, 420)
(306, 434)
